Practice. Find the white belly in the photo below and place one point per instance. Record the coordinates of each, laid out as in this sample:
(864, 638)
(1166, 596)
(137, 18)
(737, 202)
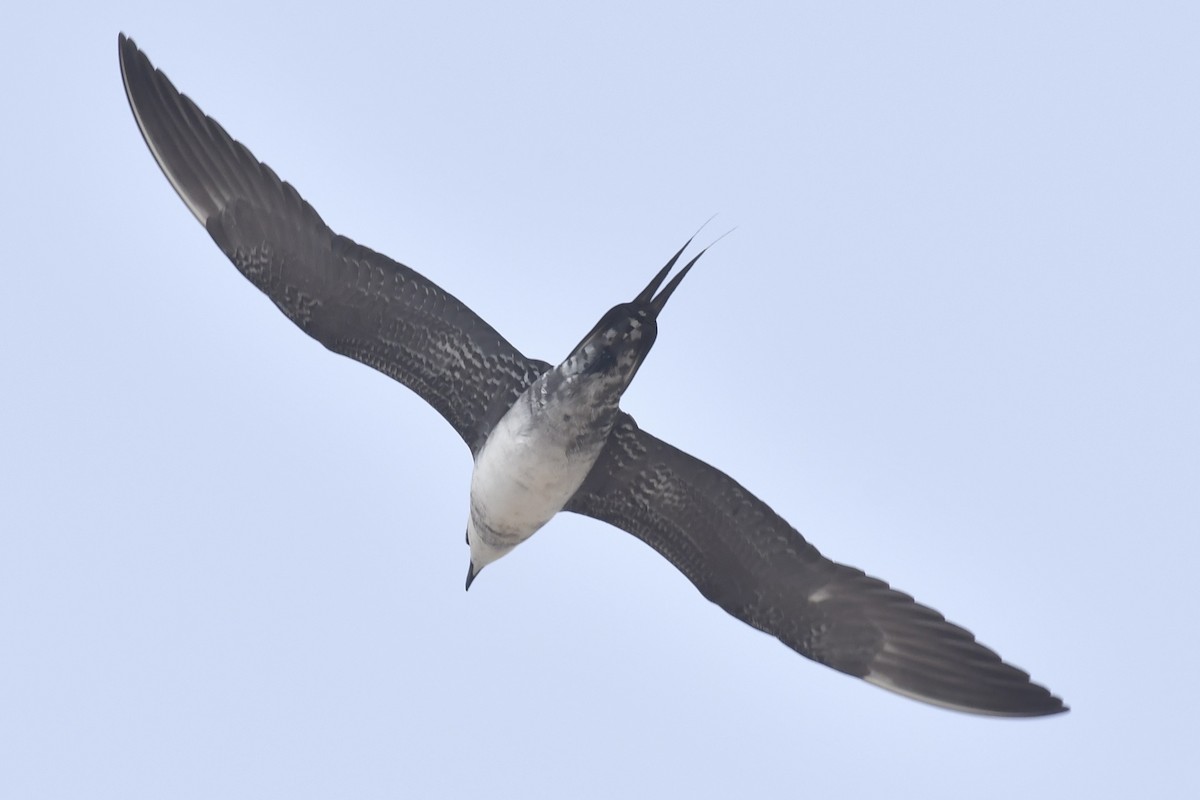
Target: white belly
(523, 476)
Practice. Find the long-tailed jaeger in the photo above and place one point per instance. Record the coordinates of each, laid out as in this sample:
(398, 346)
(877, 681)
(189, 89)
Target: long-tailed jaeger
(549, 438)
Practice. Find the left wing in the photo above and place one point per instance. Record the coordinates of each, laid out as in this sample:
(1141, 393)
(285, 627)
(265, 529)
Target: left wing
(353, 300)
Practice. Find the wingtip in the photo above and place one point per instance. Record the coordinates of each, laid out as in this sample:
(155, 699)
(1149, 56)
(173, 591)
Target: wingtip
(126, 48)
(204, 165)
(1004, 692)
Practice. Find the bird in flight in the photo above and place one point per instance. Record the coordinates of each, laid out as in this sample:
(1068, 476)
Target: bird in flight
(549, 438)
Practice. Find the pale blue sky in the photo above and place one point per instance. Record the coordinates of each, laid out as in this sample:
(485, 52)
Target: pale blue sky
(954, 341)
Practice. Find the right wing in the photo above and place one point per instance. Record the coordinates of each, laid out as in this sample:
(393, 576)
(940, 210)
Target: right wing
(748, 560)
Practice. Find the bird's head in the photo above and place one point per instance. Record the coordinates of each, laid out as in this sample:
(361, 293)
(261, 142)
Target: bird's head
(483, 552)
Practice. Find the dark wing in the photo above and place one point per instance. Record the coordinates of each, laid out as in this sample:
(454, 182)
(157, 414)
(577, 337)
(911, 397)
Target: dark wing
(742, 556)
(351, 299)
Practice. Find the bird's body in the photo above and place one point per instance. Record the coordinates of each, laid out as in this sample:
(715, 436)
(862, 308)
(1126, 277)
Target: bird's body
(551, 438)
(548, 442)
(535, 459)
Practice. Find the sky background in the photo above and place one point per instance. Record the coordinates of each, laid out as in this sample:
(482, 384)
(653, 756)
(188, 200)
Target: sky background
(954, 341)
